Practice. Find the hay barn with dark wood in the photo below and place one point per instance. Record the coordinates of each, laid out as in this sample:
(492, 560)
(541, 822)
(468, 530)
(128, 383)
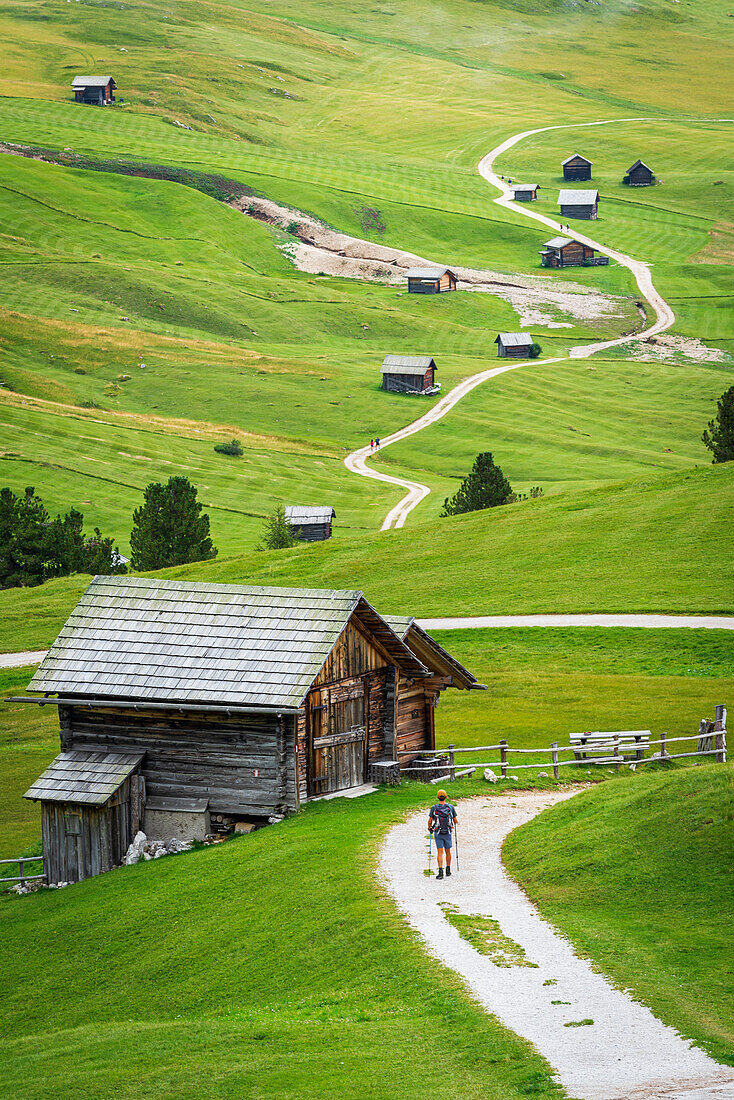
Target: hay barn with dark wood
(579, 204)
(212, 701)
(310, 522)
(409, 374)
(525, 192)
(639, 175)
(566, 252)
(576, 167)
(513, 345)
(430, 280)
(96, 90)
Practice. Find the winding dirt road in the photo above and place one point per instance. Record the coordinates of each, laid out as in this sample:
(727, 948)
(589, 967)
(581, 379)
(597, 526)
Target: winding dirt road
(356, 462)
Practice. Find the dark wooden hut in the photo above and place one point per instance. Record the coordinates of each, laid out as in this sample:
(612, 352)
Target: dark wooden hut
(224, 700)
(525, 192)
(513, 345)
(639, 175)
(310, 522)
(566, 252)
(579, 204)
(96, 90)
(409, 374)
(576, 167)
(430, 280)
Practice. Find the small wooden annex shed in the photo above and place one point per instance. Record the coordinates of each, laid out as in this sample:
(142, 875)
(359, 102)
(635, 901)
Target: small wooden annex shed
(579, 204)
(566, 252)
(430, 280)
(229, 700)
(96, 90)
(639, 175)
(513, 345)
(525, 192)
(409, 374)
(310, 522)
(576, 167)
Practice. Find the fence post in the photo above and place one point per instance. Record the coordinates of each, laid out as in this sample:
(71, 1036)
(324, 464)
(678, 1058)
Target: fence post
(20, 872)
(662, 745)
(616, 751)
(503, 757)
(452, 763)
(720, 734)
(554, 748)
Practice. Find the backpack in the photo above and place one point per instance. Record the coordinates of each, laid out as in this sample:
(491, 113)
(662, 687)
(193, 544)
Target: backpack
(443, 815)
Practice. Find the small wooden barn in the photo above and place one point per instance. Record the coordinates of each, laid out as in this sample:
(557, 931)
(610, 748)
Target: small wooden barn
(195, 699)
(525, 192)
(310, 522)
(566, 252)
(96, 90)
(639, 175)
(513, 345)
(579, 204)
(576, 167)
(430, 280)
(409, 374)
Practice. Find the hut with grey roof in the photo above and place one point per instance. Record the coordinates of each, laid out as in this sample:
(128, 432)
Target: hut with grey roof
(566, 252)
(310, 522)
(96, 90)
(513, 345)
(430, 280)
(525, 192)
(409, 374)
(576, 167)
(639, 174)
(579, 204)
(218, 703)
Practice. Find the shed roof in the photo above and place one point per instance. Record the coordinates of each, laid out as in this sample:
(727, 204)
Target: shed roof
(558, 242)
(514, 339)
(577, 198)
(576, 156)
(433, 655)
(639, 164)
(90, 81)
(309, 513)
(407, 364)
(428, 272)
(86, 777)
(525, 186)
(172, 641)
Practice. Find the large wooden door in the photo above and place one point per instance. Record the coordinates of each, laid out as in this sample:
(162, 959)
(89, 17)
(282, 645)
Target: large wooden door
(337, 738)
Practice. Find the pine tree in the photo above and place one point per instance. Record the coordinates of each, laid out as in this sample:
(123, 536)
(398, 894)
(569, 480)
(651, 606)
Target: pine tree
(485, 487)
(278, 533)
(169, 528)
(720, 437)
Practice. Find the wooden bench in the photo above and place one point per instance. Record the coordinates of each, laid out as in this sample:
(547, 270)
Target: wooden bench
(631, 744)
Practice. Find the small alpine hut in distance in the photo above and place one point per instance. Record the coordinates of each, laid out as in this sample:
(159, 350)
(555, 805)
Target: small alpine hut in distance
(96, 90)
(525, 192)
(639, 175)
(576, 167)
(409, 374)
(430, 280)
(565, 252)
(513, 345)
(579, 204)
(184, 704)
(311, 523)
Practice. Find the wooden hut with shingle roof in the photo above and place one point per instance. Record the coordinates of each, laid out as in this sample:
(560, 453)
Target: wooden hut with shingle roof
(310, 522)
(231, 701)
(95, 90)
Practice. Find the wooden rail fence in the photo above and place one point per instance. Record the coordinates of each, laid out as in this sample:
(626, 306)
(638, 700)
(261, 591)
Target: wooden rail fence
(22, 877)
(711, 740)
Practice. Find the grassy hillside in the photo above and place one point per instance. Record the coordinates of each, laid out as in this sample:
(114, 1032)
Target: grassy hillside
(665, 840)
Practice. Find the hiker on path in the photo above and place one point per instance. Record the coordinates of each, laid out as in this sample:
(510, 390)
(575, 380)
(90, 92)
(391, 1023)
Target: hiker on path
(372, 444)
(442, 819)
(377, 441)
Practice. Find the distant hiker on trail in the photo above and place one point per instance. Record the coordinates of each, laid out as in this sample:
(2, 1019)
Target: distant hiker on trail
(377, 441)
(442, 819)
(372, 444)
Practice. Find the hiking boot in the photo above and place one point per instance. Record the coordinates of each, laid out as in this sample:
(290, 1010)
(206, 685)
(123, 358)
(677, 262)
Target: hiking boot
(440, 873)
(448, 872)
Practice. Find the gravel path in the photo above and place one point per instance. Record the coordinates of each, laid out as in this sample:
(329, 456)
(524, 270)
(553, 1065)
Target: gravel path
(18, 660)
(626, 1052)
(650, 622)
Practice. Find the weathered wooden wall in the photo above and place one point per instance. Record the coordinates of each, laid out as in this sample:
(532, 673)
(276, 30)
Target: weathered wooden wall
(576, 170)
(586, 213)
(312, 532)
(399, 383)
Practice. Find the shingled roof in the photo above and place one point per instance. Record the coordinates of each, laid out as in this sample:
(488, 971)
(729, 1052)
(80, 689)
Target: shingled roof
(86, 777)
(90, 81)
(576, 156)
(172, 641)
(433, 655)
(428, 272)
(514, 339)
(309, 513)
(407, 364)
(577, 198)
(558, 242)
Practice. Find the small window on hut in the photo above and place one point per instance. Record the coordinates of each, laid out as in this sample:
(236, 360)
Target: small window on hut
(72, 822)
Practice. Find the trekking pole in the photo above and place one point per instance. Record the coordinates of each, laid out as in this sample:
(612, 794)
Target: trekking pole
(456, 839)
(430, 851)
